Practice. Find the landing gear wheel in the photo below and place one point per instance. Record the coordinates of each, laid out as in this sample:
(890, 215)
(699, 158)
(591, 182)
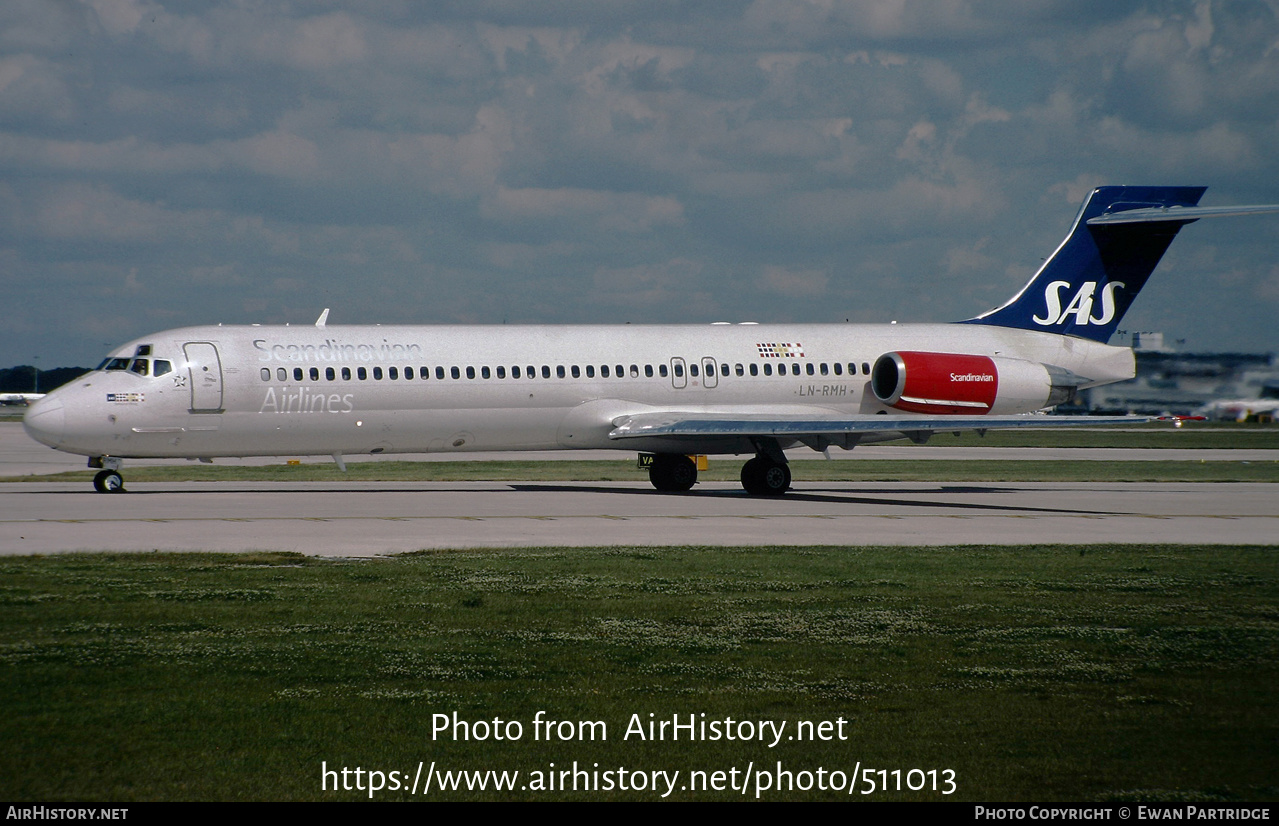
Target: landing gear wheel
(673, 474)
(108, 481)
(762, 476)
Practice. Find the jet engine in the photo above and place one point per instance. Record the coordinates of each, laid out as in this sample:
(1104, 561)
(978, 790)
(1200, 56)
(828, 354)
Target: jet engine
(956, 383)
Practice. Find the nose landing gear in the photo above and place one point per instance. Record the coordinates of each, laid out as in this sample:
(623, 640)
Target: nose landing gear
(107, 480)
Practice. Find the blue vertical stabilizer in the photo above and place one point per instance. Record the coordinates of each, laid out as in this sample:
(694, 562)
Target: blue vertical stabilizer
(1087, 285)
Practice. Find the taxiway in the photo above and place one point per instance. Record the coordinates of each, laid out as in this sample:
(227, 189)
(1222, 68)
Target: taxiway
(373, 518)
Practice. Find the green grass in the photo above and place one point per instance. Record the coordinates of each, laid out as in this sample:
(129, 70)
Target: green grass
(721, 470)
(1156, 435)
(1035, 673)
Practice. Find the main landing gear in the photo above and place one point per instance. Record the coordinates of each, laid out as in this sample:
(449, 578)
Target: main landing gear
(763, 475)
(107, 480)
(672, 473)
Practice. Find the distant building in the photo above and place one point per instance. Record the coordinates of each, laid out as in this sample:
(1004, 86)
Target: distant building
(1234, 386)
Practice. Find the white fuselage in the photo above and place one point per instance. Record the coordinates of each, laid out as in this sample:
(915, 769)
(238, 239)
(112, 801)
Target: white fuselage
(305, 390)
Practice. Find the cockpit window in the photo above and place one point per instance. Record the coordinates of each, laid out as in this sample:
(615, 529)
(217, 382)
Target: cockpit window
(140, 366)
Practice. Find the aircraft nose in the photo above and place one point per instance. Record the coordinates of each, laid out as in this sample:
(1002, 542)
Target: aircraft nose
(45, 421)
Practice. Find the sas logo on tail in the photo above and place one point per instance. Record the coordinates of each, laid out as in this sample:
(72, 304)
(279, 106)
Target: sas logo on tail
(1080, 306)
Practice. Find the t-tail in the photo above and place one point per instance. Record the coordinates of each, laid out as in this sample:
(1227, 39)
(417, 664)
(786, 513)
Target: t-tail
(1120, 234)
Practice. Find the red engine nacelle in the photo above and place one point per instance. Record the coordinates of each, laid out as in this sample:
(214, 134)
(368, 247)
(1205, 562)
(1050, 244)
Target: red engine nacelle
(956, 383)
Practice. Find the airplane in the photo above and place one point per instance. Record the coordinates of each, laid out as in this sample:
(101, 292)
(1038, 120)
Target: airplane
(19, 398)
(669, 392)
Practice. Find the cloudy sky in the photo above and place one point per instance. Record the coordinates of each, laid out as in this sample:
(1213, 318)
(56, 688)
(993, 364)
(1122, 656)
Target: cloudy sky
(170, 162)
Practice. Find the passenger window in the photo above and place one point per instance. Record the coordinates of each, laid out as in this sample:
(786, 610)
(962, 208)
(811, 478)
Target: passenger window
(330, 374)
(531, 372)
(604, 370)
(692, 369)
(825, 369)
(439, 372)
(754, 369)
(559, 371)
(297, 374)
(619, 371)
(361, 373)
(470, 372)
(515, 371)
(408, 373)
(424, 373)
(737, 368)
(768, 369)
(648, 371)
(392, 373)
(377, 373)
(346, 374)
(635, 371)
(710, 370)
(546, 371)
(455, 372)
(679, 370)
(839, 369)
(865, 368)
(590, 371)
(577, 372)
(723, 369)
(266, 374)
(501, 372)
(315, 374)
(661, 370)
(281, 374)
(484, 373)
(781, 368)
(808, 368)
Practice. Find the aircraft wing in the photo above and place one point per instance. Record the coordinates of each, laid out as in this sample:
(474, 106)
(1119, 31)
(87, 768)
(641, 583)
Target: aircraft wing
(832, 428)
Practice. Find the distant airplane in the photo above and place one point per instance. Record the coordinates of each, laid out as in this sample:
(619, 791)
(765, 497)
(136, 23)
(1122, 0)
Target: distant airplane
(1241, 410)
(667, 391)
(19, 398)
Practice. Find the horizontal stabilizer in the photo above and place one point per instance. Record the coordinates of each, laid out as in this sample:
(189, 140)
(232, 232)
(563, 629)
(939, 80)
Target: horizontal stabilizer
(1178, 213)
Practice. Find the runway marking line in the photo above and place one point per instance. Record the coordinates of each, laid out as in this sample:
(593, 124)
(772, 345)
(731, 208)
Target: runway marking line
(616, 518)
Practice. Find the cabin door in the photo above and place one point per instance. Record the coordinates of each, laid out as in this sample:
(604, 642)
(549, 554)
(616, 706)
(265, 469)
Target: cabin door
(204, 369)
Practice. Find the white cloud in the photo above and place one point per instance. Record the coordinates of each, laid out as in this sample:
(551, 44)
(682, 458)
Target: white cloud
(672, 283)
(119, 16)
(556, 44)
(793, 282)
(620, 211)
(81, 212)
